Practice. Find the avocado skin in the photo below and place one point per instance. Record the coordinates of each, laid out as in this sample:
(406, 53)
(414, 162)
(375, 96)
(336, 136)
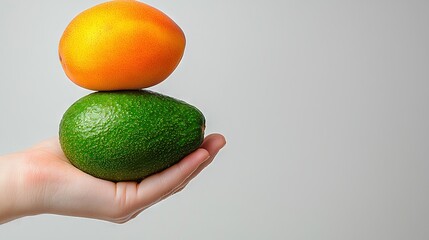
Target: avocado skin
(129, 135)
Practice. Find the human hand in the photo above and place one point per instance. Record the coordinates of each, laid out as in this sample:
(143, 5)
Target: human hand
(42, 180)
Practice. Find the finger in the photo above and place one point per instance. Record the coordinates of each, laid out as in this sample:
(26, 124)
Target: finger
(134, 215)
(213, 143)
(129, 216)
(153, 188)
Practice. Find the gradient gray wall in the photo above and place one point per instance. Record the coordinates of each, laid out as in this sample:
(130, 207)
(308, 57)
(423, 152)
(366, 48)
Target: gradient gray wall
(324, 105)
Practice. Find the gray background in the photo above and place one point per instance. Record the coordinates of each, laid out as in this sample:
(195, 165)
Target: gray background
(324, 105)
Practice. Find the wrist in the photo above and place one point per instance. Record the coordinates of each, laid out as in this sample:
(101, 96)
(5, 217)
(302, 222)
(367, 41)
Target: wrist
(18, 196)
(8, 203)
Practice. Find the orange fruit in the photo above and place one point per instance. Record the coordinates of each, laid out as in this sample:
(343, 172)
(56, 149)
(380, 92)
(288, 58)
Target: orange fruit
(119, 45)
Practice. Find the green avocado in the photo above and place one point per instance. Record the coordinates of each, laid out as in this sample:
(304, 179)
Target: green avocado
(129, 135)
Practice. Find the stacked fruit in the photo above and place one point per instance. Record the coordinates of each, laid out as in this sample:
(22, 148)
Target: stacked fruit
(121, 132)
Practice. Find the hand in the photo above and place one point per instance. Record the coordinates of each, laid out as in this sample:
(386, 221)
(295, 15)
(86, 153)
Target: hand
(42, 180)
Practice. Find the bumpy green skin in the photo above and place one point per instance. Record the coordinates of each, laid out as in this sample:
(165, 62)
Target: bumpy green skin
(129, 135)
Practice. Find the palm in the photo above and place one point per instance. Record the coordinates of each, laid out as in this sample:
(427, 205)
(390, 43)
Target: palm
(69, 191)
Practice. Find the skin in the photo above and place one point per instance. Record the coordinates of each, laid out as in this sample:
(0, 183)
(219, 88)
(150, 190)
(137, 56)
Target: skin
(41, 180)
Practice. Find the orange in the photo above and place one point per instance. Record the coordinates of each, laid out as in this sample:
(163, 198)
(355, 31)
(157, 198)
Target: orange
(119, 45)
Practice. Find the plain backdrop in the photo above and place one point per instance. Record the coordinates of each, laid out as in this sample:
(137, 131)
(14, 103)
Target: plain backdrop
(325, 106)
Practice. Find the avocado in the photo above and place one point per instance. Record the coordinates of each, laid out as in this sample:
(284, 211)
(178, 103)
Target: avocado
(129, 135)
